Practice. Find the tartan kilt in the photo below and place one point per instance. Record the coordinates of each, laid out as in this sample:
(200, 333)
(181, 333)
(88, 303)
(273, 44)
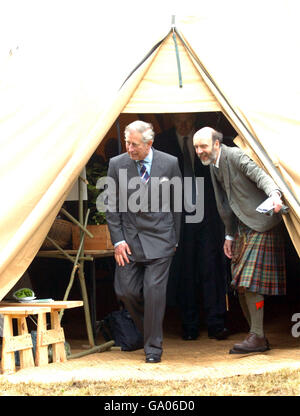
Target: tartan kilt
(258, 262)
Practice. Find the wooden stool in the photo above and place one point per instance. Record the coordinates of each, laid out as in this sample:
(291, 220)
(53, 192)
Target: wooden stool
(45, 337)
(21, 342)
(54, 336)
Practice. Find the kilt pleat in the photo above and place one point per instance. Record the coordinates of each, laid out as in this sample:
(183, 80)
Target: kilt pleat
(259, 262)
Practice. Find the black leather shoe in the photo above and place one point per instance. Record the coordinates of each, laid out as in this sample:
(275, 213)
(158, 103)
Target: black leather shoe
(189, 337)
(153, 358)
(219, 335)
(189, 334)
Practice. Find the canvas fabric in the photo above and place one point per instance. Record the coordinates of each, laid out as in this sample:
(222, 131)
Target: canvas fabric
(58, 107)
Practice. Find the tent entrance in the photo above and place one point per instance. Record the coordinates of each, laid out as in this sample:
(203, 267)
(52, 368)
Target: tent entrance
(57, 272)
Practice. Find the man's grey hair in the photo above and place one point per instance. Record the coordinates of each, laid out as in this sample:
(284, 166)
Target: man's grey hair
(209, 132)
(216, 135)
(146, 130)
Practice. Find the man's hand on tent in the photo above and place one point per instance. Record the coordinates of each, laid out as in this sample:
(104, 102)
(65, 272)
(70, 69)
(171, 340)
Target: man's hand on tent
(277, 202)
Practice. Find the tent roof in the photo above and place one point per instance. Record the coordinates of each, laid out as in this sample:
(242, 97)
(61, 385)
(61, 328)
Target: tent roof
(60, 90)
(160, 90)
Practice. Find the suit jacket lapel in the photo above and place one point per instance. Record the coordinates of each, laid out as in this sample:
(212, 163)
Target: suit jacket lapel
(155, 168)
(131, 168)
(223, 166)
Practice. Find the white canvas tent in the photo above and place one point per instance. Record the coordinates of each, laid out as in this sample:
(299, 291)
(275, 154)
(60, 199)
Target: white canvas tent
(60, 79)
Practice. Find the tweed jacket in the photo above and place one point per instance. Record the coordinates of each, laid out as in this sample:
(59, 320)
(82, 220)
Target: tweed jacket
(240, 186)
(156, 230)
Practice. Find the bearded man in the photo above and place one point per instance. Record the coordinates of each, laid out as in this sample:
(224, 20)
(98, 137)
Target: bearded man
(253, 241)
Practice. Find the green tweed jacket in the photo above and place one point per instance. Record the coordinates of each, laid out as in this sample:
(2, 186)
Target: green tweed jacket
(240, 186)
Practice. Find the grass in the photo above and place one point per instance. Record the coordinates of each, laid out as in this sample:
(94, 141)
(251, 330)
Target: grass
(279, 383)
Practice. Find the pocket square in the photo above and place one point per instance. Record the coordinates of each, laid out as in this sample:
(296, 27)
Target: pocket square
(163, 179)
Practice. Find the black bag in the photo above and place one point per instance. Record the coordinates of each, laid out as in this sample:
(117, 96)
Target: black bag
(119, 326)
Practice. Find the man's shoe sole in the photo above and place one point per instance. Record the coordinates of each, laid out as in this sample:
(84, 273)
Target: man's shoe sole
(152, 360)
(237, 351)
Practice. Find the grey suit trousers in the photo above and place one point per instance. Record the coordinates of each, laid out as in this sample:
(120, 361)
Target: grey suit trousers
(141, 286)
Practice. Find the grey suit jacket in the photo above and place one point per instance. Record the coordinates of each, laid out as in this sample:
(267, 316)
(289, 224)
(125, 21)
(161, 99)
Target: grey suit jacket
(156, 231)
(244, 186)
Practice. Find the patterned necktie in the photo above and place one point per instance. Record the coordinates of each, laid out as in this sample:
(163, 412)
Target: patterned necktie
(143, 172)
(188, 169)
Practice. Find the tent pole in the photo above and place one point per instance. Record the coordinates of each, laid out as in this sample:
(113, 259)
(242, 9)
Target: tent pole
(75, 266)
(81, 273)
(177, 52)
(98, 348)
(67, 214)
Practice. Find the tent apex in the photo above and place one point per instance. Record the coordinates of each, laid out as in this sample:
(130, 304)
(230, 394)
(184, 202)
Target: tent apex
(173, 21)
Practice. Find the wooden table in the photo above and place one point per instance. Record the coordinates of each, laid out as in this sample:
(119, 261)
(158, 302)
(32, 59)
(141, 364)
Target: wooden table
(23, 342)
(90, 256)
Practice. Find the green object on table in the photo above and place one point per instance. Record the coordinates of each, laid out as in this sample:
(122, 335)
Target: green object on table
(24, 293)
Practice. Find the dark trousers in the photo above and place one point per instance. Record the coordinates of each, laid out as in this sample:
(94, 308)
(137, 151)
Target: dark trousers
(141, 286)
(202, 271)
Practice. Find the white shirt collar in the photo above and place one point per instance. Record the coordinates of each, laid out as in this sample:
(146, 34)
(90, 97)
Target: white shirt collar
(216, 165)
(148, 158)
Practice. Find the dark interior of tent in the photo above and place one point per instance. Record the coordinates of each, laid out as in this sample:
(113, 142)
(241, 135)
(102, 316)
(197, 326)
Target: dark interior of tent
(49, 276)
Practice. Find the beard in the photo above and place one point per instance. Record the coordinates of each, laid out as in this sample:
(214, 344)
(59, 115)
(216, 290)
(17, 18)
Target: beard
(206, 162)
(211, 157)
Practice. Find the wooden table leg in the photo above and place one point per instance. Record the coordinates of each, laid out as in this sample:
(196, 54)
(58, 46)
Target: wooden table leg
(26, 355)
(21, 343)
(54, 337)
(8, 364)
(41, 355)
(58, 346)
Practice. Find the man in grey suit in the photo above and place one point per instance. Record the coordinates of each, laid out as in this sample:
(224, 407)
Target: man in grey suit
(144, 229)
(253, 241)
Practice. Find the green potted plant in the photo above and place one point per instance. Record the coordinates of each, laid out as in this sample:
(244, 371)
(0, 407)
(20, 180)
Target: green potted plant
(94, 171)
(97, 222)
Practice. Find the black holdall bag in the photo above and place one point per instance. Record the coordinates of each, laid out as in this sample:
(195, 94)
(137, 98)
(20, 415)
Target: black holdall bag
(119, 326)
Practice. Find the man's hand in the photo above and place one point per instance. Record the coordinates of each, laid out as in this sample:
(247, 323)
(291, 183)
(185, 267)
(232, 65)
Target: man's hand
(277, 202)
(228, 248)
(121, 252)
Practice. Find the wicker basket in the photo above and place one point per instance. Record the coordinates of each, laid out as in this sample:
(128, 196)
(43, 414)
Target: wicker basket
(100, 241)
(61, 233)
